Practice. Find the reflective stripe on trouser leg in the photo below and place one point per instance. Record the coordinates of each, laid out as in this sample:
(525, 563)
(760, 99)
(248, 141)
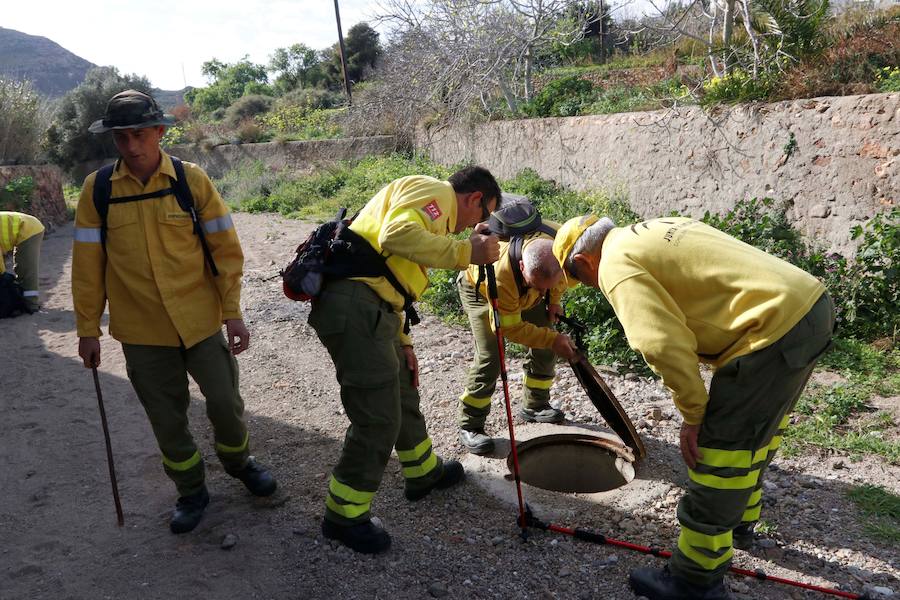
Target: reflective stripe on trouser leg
(360, 333)
(754, 504)
(421, 466)
(540, 363)
(347, 502)
(215, 370)
(475, 403)
(159, 377)
(27, 261)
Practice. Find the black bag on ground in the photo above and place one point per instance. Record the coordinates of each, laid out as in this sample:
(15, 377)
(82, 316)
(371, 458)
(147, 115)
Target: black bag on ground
(334, 251)
(12, 298)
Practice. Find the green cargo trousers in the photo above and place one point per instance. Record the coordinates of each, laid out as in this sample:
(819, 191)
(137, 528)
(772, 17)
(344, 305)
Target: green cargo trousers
(750, 400)
(539, 367)
(27, 259)
(361, 333)
(159, 377)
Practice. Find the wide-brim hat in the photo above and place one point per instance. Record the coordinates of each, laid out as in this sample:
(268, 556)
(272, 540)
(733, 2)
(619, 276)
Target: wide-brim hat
(131, 109)
(568, 235)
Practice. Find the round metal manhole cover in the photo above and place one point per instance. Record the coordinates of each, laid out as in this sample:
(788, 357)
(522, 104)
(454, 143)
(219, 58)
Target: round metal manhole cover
(573, 463)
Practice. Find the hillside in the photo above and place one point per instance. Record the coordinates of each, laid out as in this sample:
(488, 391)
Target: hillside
(53, 69)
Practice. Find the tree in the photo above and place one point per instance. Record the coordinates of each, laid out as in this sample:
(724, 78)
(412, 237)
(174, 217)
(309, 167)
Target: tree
(21, 122)
(68, 142)
(228, 82)
(297, 66)
(363, 51)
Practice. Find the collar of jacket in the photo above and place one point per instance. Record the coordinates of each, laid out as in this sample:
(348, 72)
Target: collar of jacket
(165, 168)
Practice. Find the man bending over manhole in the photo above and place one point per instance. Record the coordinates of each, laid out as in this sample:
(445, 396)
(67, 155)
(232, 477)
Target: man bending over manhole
(687, 293)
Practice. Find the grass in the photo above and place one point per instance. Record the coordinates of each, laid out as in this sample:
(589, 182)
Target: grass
(881, 509)
(71, 194)
(838, 416)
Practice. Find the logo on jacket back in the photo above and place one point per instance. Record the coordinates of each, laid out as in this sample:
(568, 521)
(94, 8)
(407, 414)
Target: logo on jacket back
(432, 210)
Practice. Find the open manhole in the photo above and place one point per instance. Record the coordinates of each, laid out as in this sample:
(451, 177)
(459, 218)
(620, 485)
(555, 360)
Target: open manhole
(574, 462)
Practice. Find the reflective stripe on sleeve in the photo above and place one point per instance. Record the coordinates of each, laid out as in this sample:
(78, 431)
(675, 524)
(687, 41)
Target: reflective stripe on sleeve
(218, 224)
(509, 320)
(90, 235)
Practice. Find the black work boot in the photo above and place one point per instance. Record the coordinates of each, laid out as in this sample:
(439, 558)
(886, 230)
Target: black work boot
(546, 414)
(452, 474)
(660, 584)
(189, 511)
(476, 441)
(258, 479)
(367, 538)
(743, 536)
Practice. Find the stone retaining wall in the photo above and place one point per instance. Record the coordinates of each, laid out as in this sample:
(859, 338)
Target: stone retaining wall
(842, 166)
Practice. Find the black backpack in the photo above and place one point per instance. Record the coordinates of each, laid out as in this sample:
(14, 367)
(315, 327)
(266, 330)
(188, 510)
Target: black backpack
(334, 251)
(12, 299)
(180, 189)
(516, 218)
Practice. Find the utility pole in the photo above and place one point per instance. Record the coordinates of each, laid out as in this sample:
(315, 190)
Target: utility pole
(337, 15)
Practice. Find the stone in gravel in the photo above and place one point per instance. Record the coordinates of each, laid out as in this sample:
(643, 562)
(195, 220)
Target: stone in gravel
(766, 543)
(498, 540)
(612, 559)
(838, 465)
(228, 542)
(437, 590)
(739, 587)
(878, 591)
(655, 414)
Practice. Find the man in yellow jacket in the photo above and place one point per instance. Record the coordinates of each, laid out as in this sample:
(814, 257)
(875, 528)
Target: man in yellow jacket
(527, 311)
(24, 233)
(166, 305)
(688, 293)
(358, 321)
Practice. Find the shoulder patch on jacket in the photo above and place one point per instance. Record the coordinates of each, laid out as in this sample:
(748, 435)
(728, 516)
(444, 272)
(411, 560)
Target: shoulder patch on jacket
(432, 210)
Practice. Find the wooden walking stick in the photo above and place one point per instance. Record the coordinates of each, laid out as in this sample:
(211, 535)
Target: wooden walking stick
(109, 456)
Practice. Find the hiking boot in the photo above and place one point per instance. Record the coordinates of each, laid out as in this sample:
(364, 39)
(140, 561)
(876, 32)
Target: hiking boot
(256, 478)
(366, 538)
(546, 414)
(189, 511)
(743, 536)
(660, 584)
(476, 441)
(452, 474)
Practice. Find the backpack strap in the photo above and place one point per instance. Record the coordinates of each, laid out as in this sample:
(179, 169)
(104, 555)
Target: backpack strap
(185, 199)
(101, 195)
(515, 257)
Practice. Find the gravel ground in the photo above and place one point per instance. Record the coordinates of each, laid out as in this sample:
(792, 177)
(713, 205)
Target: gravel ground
(58, 522)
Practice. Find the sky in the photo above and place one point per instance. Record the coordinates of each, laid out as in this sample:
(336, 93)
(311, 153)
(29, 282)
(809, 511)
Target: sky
(168, 40)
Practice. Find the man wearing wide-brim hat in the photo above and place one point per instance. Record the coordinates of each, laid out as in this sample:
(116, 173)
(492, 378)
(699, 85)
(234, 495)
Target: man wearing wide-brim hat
(687, 293)
(168, 259)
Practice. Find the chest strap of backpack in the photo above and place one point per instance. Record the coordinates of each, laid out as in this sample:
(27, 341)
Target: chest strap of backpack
(353, 256)
(180, 189)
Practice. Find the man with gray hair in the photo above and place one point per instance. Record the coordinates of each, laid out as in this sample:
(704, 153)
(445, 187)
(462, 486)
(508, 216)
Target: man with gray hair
(528, 304)
(687, 293)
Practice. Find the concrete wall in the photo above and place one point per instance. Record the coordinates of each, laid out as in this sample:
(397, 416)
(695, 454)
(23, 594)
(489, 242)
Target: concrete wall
(844, 167)
(47, 202)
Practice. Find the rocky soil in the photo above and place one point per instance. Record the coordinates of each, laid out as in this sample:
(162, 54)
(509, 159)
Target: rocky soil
(58, 522)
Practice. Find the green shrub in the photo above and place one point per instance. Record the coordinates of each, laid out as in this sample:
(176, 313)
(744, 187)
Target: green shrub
(247, 107)
(310, 99)
(888, 79)
(737, 86)
(561, 98)
(297, 123)
(16, 194)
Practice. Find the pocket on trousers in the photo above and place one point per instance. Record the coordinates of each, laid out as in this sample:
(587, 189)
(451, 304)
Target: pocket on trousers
(326, 323)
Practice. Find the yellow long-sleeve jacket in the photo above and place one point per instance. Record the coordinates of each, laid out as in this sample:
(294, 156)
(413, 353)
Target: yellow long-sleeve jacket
(511, 303)
(686, 292)
(409, 221)
(160, 290)
(15, 228)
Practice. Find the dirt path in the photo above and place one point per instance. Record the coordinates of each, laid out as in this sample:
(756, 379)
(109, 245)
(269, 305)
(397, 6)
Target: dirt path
(57, 519)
